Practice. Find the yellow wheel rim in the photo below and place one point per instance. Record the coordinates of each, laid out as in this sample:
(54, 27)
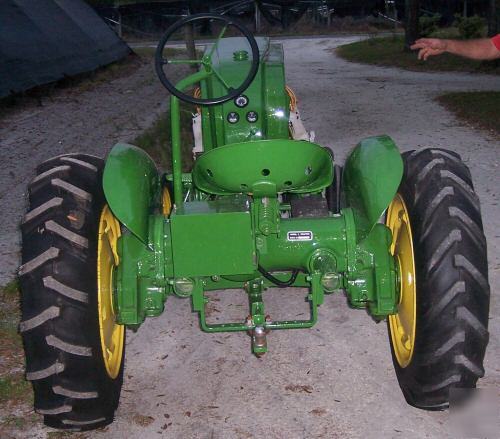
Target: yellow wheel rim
(166, 202)
(112, 335)
(402, 325)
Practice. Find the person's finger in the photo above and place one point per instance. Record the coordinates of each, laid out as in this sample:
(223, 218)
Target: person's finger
(424, 53)
(423, 41)
(418, 45)
(429, 52)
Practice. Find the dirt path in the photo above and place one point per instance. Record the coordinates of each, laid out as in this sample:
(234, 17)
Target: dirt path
(334, 381)
(72, 120)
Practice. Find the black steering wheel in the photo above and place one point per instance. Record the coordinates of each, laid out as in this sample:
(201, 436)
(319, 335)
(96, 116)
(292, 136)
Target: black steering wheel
(206, 61)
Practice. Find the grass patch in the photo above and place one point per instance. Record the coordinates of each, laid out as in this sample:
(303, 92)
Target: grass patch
(10, 290)
(478, 108)
(9, 310)
(15, 392)
(156, 140)
(15, 389)
(389, 51)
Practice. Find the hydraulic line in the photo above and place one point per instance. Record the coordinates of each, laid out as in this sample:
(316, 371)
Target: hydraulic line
(276, 281)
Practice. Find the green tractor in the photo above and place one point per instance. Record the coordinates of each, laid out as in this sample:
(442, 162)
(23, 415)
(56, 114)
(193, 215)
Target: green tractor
(106, 243)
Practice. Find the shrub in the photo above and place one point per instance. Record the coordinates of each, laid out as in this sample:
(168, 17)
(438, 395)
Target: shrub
(429, 24)
(469, 27)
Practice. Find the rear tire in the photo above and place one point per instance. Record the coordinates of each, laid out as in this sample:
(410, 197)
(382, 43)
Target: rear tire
(58, 280)
(451, 272)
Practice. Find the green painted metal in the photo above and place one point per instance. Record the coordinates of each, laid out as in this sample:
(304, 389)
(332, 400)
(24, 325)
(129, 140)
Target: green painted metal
(200, 226)
(240, 167)
(265, 209)
(131, 183)
(175, 126)
(378, 292)
(180, 252)
(141, 277)
(278, 252)
(257, 316)
(230, 224)
(371, 178)
(266, 96)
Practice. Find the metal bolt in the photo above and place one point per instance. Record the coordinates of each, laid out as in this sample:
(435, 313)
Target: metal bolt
(330, 281)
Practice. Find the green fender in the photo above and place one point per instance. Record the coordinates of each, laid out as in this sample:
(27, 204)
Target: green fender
(371, 178)
(131, 182)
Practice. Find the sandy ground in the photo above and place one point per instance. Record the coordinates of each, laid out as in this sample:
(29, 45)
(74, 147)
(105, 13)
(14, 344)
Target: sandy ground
(333, 381)
(71, 120)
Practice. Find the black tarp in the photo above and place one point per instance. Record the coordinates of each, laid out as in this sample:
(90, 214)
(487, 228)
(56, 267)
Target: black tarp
(42, 41)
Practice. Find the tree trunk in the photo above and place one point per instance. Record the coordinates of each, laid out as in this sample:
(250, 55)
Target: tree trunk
(190, 44)
(493, 17)
(412, 8)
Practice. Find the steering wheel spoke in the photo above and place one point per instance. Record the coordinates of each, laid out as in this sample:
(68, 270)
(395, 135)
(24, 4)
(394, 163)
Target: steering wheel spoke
(216, 44)
(206, 61)
(182, 61)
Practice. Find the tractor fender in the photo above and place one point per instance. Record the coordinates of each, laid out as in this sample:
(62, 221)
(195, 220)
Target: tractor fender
(371, 178)
(131, 182)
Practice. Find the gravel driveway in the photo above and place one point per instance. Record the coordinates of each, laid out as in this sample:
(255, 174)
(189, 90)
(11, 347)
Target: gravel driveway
(71, 120)
(333, 381)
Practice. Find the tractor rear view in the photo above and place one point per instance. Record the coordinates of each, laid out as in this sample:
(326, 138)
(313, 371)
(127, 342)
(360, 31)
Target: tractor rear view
(105, 243)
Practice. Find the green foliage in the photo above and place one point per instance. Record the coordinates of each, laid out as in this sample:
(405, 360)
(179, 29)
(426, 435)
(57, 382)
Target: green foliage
(9, 310)
(10, 289)
(15, 388)
(470, 27)
(446, 32)
(388, 51)
(429, 24)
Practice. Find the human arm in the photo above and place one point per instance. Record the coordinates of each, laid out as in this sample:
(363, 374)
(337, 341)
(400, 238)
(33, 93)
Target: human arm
(480, 49)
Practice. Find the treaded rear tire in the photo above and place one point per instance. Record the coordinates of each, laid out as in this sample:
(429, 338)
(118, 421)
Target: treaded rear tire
(58, 280)
(452, 290)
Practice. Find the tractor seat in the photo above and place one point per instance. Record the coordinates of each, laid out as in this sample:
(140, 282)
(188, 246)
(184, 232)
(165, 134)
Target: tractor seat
(291, 165)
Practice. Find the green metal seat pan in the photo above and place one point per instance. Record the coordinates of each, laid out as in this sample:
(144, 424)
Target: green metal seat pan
(291, 165)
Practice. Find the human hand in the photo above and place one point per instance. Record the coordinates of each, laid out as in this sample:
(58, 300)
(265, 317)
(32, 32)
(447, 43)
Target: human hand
(429, 47)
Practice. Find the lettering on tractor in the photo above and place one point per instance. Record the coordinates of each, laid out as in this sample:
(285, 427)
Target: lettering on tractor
(106, 243)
